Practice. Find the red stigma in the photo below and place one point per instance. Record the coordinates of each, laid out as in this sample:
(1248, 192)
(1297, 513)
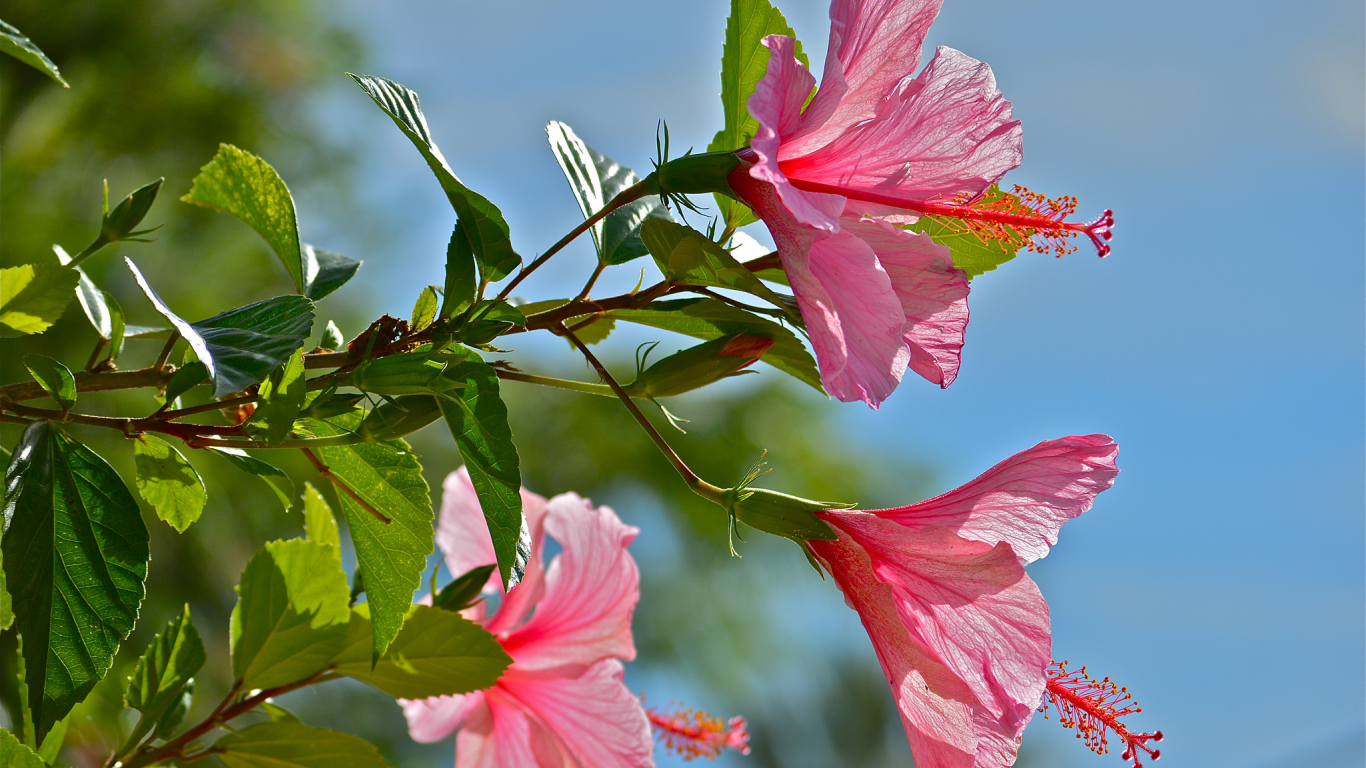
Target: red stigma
(1094, 710)
(692, 733)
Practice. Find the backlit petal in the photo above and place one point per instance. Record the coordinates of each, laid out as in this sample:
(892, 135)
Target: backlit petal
(594, 717)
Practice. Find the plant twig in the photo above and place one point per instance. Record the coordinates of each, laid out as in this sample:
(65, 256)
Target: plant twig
(160, 364)
(547, 381)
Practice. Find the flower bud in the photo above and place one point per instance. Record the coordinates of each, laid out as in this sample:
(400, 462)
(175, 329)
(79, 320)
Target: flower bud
(407, 374)
(782, 515)
(120, 223)
(697, 174)
(398, 417)
(699, 366)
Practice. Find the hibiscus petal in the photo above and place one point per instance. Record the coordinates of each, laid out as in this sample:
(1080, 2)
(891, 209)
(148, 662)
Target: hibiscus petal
(935, 705)
(462, 533)
(502, 734)
(933, 295)
(591, 589)
(1025, 499)
(998, 744)
(594, 717)
(434, 719)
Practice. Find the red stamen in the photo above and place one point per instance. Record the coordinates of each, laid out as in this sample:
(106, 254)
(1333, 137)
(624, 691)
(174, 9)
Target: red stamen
(1094, 710)
(691, 733)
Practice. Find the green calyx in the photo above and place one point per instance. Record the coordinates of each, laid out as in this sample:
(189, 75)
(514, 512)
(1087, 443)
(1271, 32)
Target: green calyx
(696, 174)
(697, 366)
(780, 514)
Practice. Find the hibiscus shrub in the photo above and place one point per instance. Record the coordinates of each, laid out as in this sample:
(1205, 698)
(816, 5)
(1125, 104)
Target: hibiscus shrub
(880, 190)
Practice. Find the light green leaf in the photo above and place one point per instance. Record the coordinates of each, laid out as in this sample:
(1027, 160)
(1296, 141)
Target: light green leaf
(490, 319)
(242, 346)
(596, 331)
(291, 744)
(319, 524)
(393, 555)
(168, 482)
(291, 615)
(325, 271)
(437, 653)
(13, 42)
(595, 179)
(274, 477)
(244, 186)
(478, 421)
(688, 257)
(479, 219)
(75, 558)
(462, 274)
(13, 753)
(55, 379)
(52, 743)
(282, 398)
(969, 251)
(118, 330)
(33, 296)
(744, 60)
(6, 605)
(279, 714)
(424, 310)
(708, 319)
(164, 672)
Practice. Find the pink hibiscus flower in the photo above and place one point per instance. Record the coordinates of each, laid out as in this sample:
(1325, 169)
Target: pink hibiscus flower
(961, 631)
(562, 702)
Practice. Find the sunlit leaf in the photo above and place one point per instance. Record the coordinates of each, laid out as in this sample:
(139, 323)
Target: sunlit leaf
(424, 310)
(291, 744)
(13, 753)
(972, 253)
(319, 524)
(168, 482)
(33, 296)
(325, 271)
(164, 671)
(688, 257)
(437, 653)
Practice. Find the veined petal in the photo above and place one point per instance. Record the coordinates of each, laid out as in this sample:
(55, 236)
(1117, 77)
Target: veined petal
(434, 719)
(462, 533)
(591, 589)
(502, 734)
(935, 705)
(998, 744)
(933, 295)
(595, 719)
(1024, 500)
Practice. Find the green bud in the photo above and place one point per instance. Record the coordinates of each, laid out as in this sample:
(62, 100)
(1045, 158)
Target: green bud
(488, 320)
(698, 366)
(780, 514)
(120, 223)
(408, 374)
(697, 174)
(464, 591)
(398, 417)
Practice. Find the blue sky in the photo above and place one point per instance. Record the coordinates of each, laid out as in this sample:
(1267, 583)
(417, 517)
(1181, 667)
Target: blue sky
(1221, 343)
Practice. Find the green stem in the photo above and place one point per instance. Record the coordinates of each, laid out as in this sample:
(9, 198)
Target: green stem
(547, 381)
(90, 250)
(160, 364)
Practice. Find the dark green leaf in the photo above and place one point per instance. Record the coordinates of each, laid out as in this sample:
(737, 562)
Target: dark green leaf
(325, 406)
(687, 257)
(33, 296)
(161, 676)
(332, 337)
(244, 186)
(291, 616)
(424, 309)
(490, 319)
(169, 722)
(319, 524)
(325, 271)
(437, 653)
(744, 61)
(273, 476)
(13, 753)
(168, 482)
(186, 378)
(709, 319)
(75, 556)
(595, 179)
(969, 251)
(242, 346)
(399, 417)
(479, 219)
(463, 591)
(121, 223)
(13, 42)
(54, 378)
(288, 744)
(393, 555)
(462, 274)
(282, 398)
(479, 422)
(92, 299)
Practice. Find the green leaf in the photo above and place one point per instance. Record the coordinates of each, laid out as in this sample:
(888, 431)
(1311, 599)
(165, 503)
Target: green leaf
(479, 219)
(325, 271)
(92, 299)
(424, 310)
(463, 591)
(969, 251)
(168, 482)
(54, 378)
(707, 319)
(490, 319)
(744, 60)
(479, 422)
(462, 274)
(121, 223)
(273, 476)
(118, 330)
(291, 616)
(52, 743)
(6, 604)
(13, 42)
(291, 744)
(244, 186)
(282, 398)
(332, 337)
(13, 753)
(393, 555)
(164, 672)
(688, 257)
(75, 558)
(319, 524)
(437, 653)
(595, 179)
(242, 346)
(169, 722)
(596, 331)
(21, 682)
(33, 296)
(279, 714)
(186, 378)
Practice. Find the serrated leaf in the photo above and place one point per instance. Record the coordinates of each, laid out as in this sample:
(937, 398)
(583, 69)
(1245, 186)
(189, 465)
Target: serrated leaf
(174, 716)
(242, 346)
(33, 296)
(168, 482)
(55, 379)
(688, 257)
(75, 558)
(969, 251)
(281, 398)
(707, 319)
(291, 744)
(596, 331)
(274, 477)
(291, 616)
(478, 421)
(13, 42)
(325, 271)
(13, 753)
(393, 555)
(424, 309)
(319, 524)
(244, 186)
(479, 219)
(595, 179)
(744, 61)
(164, 671)
(437, 653)
(52, 743)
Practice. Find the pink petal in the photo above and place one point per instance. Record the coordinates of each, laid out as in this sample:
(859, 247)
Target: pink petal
(998, 744)
(591, 589)
(947, 133)
(1024, 500)
(933, 294)
(434, 719)
(502, 734)
(462, 533)
(935, 706)
(968, 601)
(594, 718)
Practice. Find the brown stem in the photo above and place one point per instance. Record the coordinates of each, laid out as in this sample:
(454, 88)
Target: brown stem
(160, 364)
(95, 353)
(326, 472)
(588, 286)
(185, 432)
(91, 381)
